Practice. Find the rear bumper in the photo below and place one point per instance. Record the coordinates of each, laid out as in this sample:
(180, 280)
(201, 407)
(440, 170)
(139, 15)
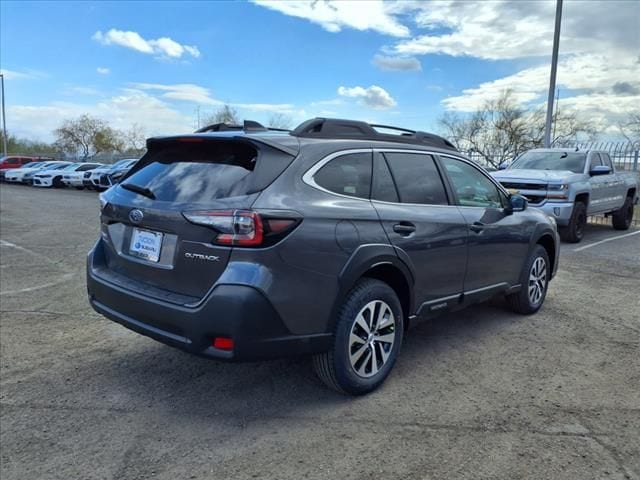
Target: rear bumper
(239, 312)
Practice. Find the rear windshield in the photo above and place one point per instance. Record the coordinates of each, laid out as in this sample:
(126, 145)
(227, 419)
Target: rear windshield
(572, 161)
(196, 173)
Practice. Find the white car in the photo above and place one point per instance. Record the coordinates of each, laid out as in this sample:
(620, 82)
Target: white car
(93, 180)
(75, 177)
(25, 174)
(52, 177)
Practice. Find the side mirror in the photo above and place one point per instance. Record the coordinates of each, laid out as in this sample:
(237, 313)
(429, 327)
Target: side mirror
(517, 203)
(503, 166)
(600, 170)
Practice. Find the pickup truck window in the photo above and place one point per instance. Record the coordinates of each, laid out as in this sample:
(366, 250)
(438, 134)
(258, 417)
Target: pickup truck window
(595, 161)
(572, 161)
(606, 160)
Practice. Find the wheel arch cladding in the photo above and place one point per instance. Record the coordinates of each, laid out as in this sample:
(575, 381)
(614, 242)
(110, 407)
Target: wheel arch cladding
(583, 197)
(382, 263)
(546, 241)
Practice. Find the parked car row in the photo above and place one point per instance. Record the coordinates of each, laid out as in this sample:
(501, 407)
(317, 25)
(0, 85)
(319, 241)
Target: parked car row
(47, 173)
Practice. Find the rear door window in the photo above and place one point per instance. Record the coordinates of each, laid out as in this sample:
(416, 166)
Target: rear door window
(417, 178)
(595, 161)
(606, 160)
(348, 174)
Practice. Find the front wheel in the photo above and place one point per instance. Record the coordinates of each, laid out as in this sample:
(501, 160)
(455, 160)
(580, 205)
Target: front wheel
(623, 217)
(574, 232)
(367, 340)
(535, 281)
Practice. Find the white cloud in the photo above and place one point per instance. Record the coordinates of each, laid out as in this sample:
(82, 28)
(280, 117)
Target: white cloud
(397, 63)
(597, 74)
(374, 96)
(334, 15)
(161, 47)
(25, 74)
(190, 92)
(187, 92)
(121, 111)
(103, 70)
(516, 29)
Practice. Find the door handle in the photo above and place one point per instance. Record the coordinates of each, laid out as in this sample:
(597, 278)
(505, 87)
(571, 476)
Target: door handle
(476, 227)
(404, 228)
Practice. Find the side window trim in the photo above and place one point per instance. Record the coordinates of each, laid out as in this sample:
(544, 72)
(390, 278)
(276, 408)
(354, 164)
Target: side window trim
(307, 177)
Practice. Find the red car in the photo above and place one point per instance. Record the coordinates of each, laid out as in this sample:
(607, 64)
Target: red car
(14, 161)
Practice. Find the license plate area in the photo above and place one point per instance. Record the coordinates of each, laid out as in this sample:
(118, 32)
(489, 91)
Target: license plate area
(146, 244)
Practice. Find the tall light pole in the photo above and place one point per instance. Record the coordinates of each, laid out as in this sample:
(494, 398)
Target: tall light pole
(4, 120)
(552, 81)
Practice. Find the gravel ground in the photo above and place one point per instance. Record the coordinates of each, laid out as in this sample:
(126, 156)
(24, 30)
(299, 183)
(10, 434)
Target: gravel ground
(482, 393)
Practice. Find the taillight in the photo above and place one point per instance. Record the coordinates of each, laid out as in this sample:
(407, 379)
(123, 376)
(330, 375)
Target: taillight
(245, 228)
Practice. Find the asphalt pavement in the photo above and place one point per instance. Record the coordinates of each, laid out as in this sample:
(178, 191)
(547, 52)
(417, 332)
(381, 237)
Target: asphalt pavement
(482, 393)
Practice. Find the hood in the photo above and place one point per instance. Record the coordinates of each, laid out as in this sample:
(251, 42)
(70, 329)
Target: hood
(539, 175)
(25, 170)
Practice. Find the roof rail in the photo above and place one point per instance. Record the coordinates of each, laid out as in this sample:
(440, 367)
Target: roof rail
(248, 126)
(353, 129)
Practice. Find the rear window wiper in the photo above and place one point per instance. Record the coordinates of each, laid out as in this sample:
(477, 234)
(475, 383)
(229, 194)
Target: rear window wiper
(138, 189)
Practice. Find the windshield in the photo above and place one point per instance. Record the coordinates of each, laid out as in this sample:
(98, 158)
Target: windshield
(121, 163)
(73, 166)
(572, 161)
(32, 164)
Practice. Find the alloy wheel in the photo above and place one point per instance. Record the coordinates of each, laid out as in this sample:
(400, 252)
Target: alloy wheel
(372, 338)
(537, 280)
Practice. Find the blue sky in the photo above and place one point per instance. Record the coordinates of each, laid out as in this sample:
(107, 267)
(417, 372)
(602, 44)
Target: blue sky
(402, 63)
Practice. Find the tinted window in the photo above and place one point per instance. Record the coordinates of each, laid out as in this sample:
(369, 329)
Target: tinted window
(197, 173)
(383, 187)
(347, 175)
(595, 161)
(472, 188)
(417, 178)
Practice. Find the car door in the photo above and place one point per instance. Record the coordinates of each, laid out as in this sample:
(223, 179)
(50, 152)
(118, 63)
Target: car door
(498, 240)
(615, 193)
(411, 200)
(599, 185)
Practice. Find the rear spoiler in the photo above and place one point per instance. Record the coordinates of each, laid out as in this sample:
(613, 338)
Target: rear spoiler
(197, 138)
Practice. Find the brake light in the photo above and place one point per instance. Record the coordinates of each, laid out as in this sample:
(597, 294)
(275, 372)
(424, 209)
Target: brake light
(244, 228)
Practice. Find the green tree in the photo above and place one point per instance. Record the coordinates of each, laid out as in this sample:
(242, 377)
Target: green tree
(87, 136)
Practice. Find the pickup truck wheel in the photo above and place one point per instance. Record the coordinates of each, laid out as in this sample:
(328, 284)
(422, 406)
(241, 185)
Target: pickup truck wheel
(623, 217)
(535, 281)
(574, 232)
(367, 340)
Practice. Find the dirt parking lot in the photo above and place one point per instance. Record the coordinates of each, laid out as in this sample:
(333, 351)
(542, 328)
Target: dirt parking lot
(482, 393)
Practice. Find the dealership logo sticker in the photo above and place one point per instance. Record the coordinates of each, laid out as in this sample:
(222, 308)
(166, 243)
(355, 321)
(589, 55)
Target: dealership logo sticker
(136, 215)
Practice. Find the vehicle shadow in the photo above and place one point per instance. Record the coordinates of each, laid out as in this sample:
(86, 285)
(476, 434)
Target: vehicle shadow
(155, 375)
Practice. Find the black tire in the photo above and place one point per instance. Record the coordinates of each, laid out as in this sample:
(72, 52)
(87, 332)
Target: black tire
(335, 367)
(521, 302)
(79, 188)
(57, 182)
(623, 217)
(574, 232)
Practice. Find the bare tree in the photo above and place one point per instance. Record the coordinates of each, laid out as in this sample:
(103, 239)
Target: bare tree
(87, 136)
(501, 130)
(280, 120)
(630, 129)
(225, 114)
(135, 139)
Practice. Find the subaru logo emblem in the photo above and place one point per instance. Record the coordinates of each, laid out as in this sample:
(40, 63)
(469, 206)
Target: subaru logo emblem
(136, 215)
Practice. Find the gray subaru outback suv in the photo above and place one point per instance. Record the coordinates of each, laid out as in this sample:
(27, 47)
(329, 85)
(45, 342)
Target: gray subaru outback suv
(243, 243)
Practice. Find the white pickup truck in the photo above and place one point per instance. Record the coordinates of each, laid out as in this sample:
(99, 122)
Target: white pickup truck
(571, 184)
